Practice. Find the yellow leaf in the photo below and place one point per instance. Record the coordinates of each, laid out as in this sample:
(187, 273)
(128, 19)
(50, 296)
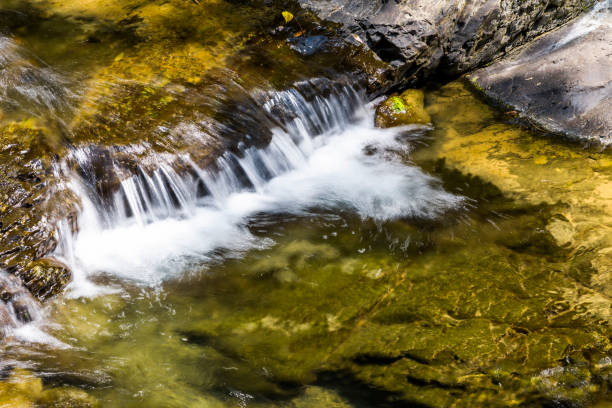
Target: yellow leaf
(287, 16)
(298, 34)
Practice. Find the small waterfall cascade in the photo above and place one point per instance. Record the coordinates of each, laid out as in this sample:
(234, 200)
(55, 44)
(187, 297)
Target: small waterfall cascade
(17, 306)
(152, 195)
(324, 153)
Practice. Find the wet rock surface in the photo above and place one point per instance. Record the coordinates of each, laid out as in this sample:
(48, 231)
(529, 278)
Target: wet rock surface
(563, 81)
(17, 306)
(418, 39)
(33, 201)
(45, 277)
(404, 109)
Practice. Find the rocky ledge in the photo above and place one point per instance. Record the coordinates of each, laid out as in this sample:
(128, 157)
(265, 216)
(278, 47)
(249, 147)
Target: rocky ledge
(561, 82)
(421, 38)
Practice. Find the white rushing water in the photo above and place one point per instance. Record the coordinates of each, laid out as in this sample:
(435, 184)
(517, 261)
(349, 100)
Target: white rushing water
(21, 316)
(160, 221)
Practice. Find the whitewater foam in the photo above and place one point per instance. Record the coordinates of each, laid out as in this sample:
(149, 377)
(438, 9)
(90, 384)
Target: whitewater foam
(327, 158)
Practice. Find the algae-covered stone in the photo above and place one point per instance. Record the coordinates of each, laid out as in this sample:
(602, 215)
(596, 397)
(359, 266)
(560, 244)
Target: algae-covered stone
(67, 397)
(46, 277)
(405, 109)
(574, 182)
(20, 390)
(23, 389)
(319, 397)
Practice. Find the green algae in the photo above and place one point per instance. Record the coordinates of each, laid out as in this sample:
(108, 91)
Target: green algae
(535, 170)
(145, 69)
(144, 65)
(463, 323)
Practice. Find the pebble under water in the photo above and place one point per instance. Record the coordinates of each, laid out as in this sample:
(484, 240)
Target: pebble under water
(268, 246)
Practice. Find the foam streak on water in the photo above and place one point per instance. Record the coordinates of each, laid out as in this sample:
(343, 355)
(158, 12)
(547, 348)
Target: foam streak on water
(162, 220)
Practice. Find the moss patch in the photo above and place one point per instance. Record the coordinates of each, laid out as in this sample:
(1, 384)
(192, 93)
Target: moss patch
(405, 109)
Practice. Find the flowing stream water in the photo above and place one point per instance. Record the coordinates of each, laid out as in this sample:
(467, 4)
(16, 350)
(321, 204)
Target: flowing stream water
(240, 234)
(328, 155)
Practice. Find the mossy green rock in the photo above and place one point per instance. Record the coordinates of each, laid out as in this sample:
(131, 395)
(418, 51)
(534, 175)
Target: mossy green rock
(405, 109)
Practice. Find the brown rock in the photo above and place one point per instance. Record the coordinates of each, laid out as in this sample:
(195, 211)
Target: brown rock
(46, 277)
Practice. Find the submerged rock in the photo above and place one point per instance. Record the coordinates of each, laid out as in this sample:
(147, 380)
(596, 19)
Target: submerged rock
(424, 37)
(519, 163)
(563, 81)
(67, 397)
(405, 109)
(319, 397)
(22, 389)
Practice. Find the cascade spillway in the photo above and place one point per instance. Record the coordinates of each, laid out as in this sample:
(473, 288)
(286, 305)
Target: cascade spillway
(324, 154)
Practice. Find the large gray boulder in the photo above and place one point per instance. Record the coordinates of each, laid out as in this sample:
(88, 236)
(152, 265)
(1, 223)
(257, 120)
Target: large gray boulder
(420, 38)
(563, 81)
